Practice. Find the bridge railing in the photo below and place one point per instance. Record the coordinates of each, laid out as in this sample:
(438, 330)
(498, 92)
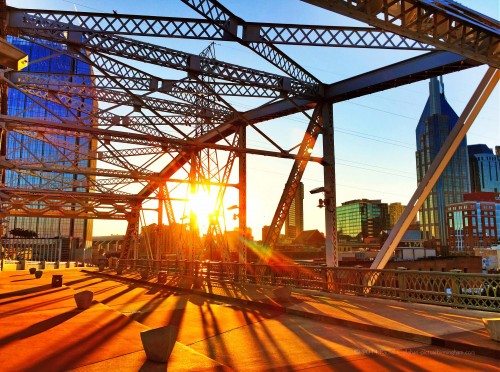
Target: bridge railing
(31, 249)
(473, 291)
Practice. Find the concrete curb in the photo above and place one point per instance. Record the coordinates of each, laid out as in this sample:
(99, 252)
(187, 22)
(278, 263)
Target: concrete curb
(424, 339)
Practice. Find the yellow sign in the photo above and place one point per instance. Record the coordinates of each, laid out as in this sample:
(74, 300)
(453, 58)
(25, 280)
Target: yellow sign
(22, 63)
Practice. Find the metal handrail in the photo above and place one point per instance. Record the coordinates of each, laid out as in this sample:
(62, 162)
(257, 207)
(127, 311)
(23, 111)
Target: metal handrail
(467, 290)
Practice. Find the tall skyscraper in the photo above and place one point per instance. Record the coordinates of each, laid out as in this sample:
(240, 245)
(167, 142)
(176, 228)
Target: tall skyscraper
(30, 147)
(294, 223)
(484, 169)
(436, 122)
(362, 218)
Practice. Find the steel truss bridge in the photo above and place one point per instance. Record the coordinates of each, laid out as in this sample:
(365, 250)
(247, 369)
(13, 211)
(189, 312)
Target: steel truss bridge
(147, 134)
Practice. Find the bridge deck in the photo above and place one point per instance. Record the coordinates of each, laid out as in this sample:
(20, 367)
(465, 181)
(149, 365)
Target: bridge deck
(41, 330)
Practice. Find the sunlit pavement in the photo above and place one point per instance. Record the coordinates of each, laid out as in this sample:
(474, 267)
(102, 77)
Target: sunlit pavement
(40, 329)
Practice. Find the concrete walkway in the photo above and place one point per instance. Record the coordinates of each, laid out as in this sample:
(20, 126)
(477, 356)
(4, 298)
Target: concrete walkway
(41, 330)
(430, 324)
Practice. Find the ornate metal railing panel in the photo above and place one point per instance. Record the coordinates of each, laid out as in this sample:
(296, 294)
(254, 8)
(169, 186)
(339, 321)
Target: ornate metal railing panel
(471, 291)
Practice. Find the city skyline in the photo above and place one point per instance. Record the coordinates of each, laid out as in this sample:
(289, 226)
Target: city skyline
(374, 135)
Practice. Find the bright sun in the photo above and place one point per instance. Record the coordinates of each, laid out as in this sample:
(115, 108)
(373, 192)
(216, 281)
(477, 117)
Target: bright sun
(202, 205)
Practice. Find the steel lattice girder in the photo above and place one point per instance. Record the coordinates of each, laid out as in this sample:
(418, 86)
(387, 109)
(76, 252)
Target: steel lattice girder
(162, 56)
(213, 111)
(50, 203)
(106, 135)
(144, 84)
(446, 25)
(113, 96)
(110, 65)
(192, 28)
(91, 114)
(119, 70)
(180, 89)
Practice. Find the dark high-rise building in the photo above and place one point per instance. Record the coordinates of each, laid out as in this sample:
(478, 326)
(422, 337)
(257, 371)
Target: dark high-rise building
(436, 122)
(362, 218)
(30, 148)
(294, 223)
(484, 169)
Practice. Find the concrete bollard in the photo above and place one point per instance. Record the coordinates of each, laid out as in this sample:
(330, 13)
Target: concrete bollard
(57, 280)
(38, 274)
(282, 294)
(113, 262)
(492, 325)
(32, 270)
(198, 282)
(84, 299)
(101, 264)
(158, 343)
(185, 282)
(162, 277)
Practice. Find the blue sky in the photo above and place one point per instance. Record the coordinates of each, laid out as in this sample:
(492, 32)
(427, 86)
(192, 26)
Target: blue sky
(375, 134)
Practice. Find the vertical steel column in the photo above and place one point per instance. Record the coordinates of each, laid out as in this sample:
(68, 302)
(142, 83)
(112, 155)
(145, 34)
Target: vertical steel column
(59, 249)
(131, 234)
(331, 250)
(161, 200)
(3, 132)
(438, 165)
(3, 153)
(193, 219)
(242, 194)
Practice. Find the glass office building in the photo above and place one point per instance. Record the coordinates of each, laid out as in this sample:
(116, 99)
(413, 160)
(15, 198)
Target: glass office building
(436, 122)
(52, 148)
(363, 218)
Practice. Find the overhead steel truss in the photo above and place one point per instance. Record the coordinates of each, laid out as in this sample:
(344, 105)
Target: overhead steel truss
(143, 135)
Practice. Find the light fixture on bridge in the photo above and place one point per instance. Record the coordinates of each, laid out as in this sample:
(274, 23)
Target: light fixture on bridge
(233, 207)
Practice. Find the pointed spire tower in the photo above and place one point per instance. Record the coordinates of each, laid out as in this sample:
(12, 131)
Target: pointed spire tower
(437, 120)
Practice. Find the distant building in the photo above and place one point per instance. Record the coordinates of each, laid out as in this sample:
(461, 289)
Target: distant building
(436, 122)
(233, 238)
(395, 211)
(361, 219)
(265, 231)
(310, 238)
(484, 168)
(473, 223)
(294, 223)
